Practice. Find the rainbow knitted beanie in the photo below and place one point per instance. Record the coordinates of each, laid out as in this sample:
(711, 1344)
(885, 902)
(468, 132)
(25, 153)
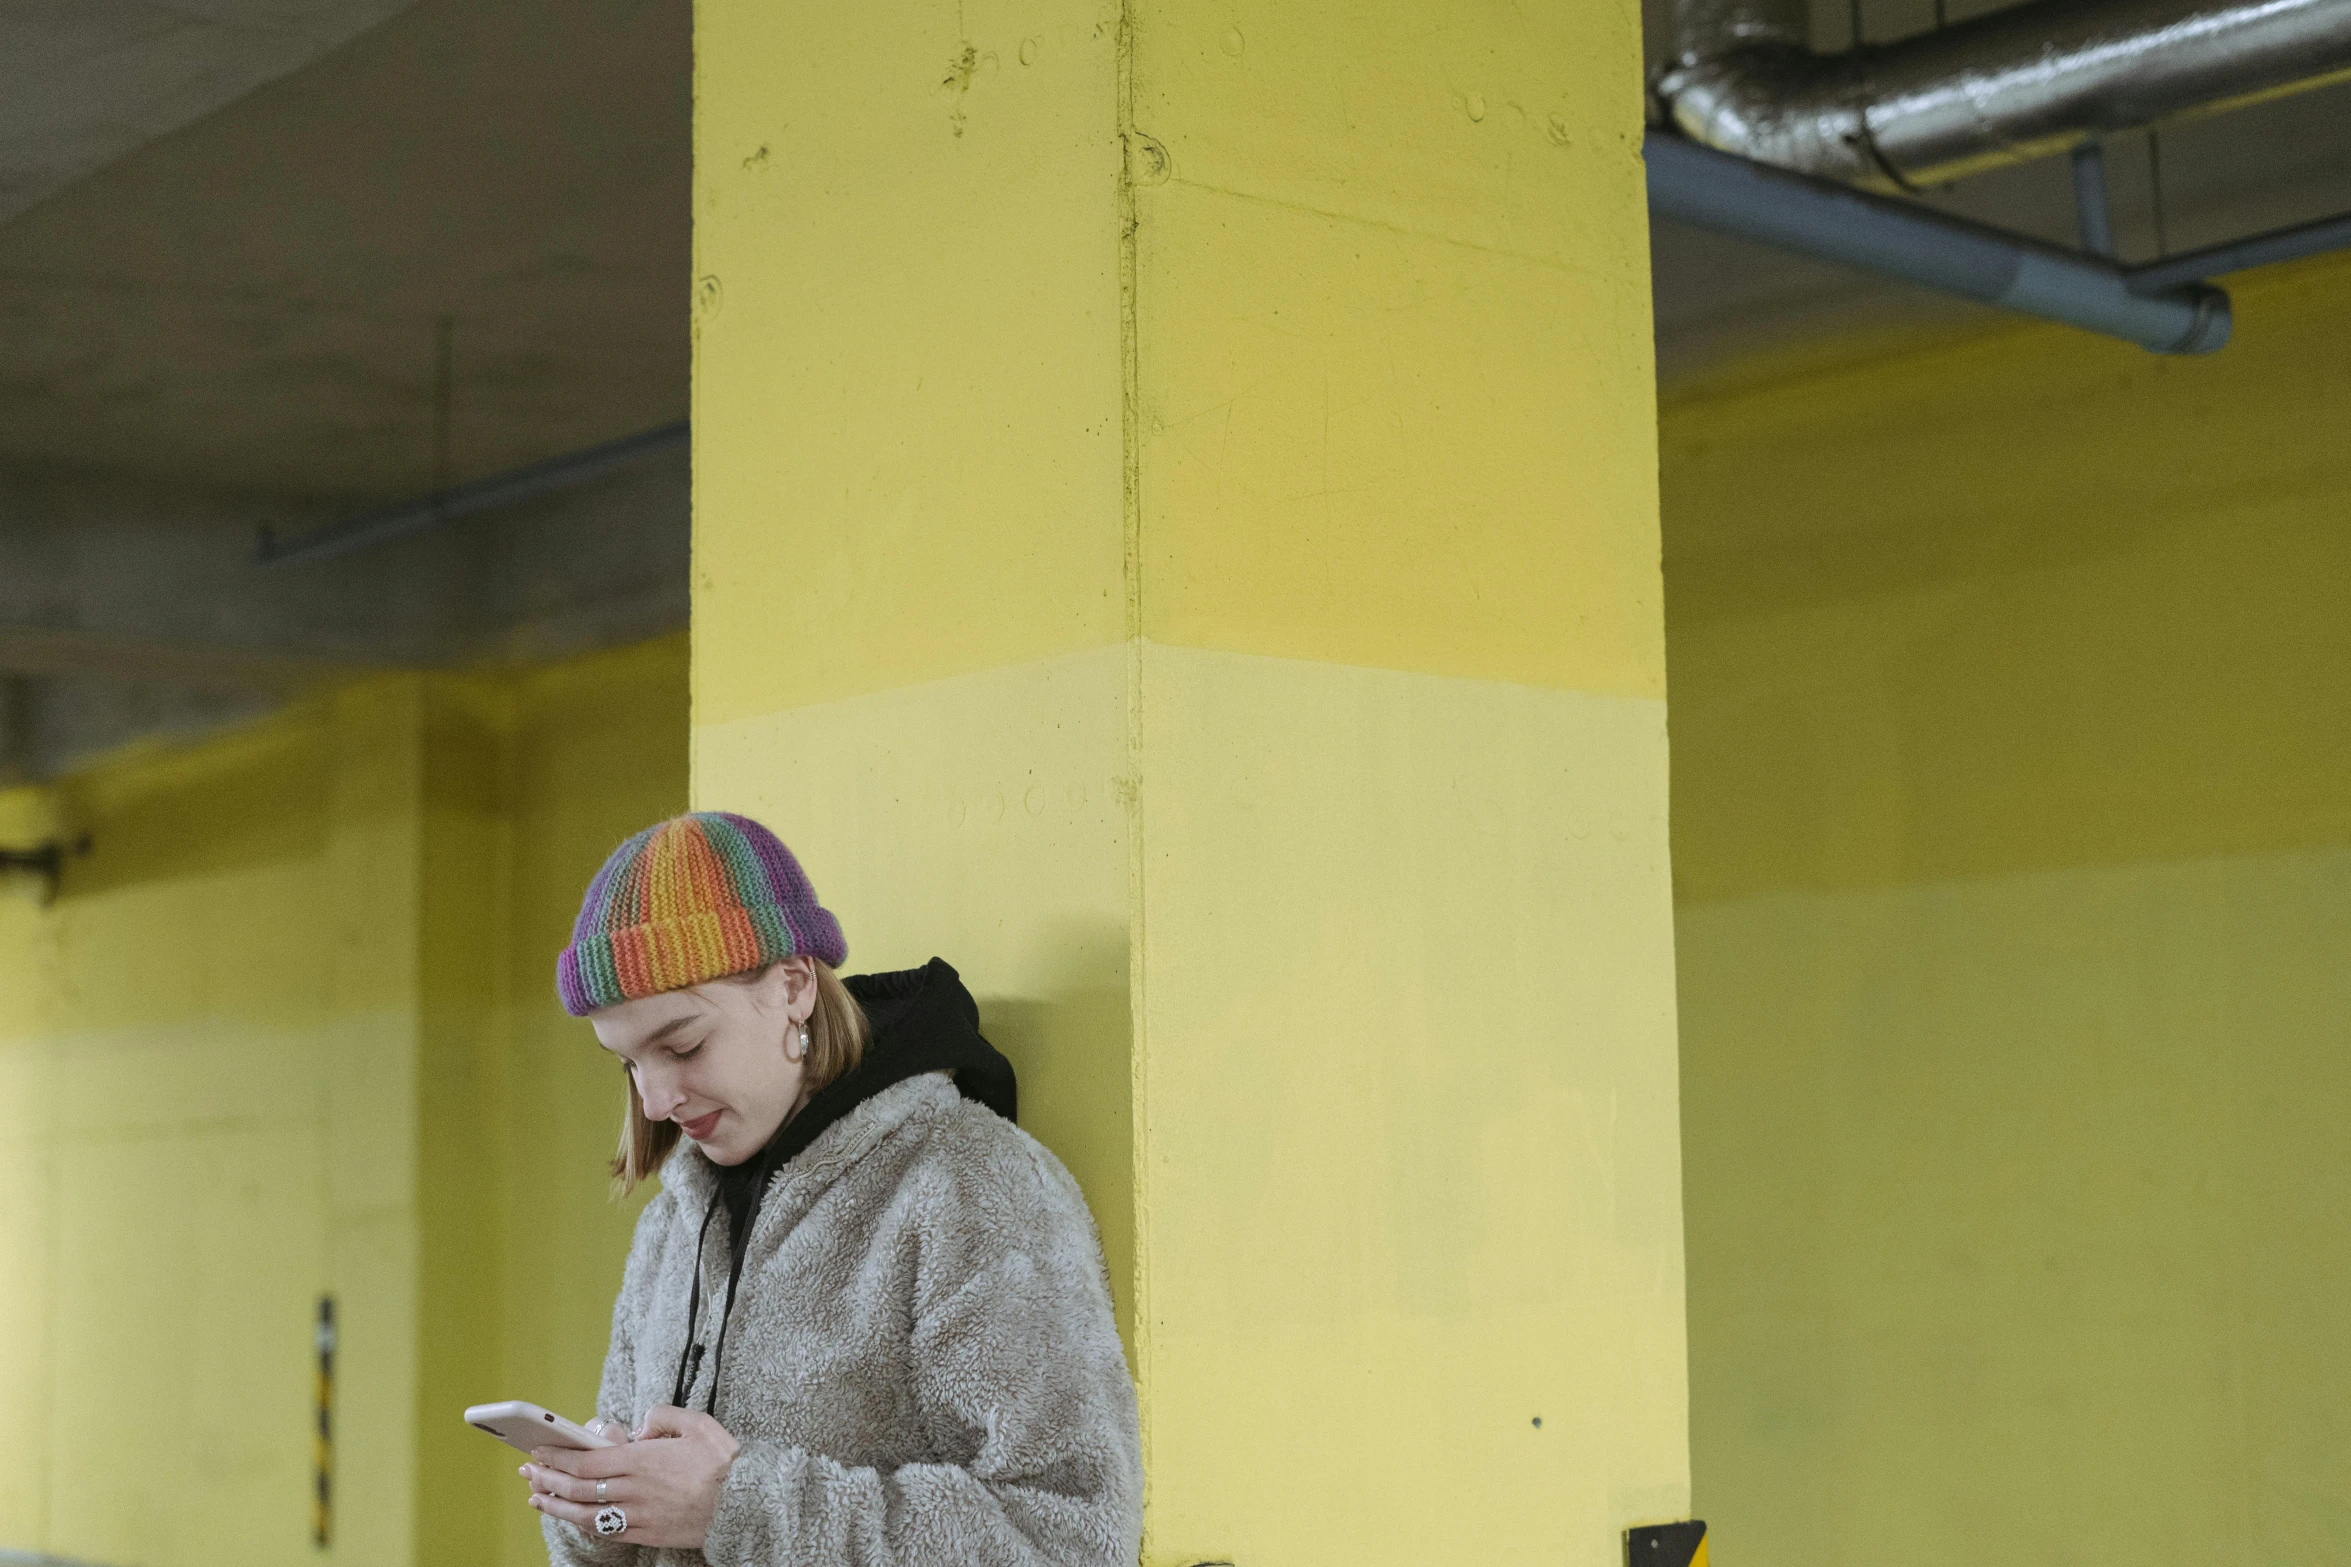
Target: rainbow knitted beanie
(697, 897)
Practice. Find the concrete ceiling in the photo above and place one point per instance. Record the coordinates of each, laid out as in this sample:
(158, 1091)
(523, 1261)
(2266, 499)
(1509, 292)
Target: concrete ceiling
(235, 234)
(240, 323)
(88, 80)
(253, 303)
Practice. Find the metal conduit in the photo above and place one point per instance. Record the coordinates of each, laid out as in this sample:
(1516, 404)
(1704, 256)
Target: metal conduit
(1731, 195)
(2002, 88)
(499, 489)
(2260, 250)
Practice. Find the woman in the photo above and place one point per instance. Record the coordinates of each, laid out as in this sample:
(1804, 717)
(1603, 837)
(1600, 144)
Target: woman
(865, 1321)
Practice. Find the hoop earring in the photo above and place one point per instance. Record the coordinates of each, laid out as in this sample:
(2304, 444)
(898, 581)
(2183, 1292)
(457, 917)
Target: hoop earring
(802, 1052)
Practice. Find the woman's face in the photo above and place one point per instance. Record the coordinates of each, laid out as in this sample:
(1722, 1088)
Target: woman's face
(721, 1059)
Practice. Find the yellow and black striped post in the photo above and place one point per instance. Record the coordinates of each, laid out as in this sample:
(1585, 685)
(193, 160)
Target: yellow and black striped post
(1666, 1545)
(322, 1449)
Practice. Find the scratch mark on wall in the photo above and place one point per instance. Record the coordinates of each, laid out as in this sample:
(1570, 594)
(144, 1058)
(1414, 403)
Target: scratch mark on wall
(967, 63)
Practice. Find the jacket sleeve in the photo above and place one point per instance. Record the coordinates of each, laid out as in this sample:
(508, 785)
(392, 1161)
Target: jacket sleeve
(568, 1545)
(1018, 1371)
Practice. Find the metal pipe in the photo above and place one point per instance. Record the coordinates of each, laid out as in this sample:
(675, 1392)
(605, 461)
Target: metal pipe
(2012, 85)
(2091, 207)
(499, 489)
(2260, 250)
(47, 861)
(1730, 195)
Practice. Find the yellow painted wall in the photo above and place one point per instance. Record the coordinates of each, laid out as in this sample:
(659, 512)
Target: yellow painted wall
(166, 1037)
(1175, 534)
(596, 750)
(290, 1029)
(2012, 839)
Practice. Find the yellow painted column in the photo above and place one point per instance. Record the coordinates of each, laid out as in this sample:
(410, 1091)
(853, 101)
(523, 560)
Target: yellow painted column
(1176, 535)
(414, 869)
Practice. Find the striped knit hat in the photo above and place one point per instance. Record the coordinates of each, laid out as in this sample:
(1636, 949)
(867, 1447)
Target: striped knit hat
(694, 898)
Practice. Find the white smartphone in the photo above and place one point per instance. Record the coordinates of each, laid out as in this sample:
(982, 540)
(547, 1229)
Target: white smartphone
(525, 1426)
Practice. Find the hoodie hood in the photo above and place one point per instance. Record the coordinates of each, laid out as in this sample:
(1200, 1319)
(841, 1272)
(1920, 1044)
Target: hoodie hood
(923, 1020)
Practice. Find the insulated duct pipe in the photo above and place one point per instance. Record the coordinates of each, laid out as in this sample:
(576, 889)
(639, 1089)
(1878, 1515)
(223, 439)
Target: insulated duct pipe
(1730, 195)
(2016, 84)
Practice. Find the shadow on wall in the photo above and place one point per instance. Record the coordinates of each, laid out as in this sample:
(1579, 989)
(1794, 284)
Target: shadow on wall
(246, 800)
(1073, 1048)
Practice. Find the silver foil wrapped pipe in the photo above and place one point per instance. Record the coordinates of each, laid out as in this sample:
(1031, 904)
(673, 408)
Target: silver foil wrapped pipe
(2017, 84)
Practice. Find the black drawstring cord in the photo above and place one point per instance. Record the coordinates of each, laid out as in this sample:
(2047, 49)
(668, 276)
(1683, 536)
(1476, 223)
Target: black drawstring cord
(690, 1363)
(718, 1357)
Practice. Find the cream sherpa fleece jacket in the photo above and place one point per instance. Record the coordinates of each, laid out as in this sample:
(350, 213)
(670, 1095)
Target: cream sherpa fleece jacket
(922, 1367)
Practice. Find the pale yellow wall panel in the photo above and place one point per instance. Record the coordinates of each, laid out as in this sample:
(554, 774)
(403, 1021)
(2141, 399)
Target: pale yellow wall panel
(1410, 1158)
(187, 1267)
(2015, 1215)
(982, 819)
(28, 1221)
(907, 367)
(1369, 446)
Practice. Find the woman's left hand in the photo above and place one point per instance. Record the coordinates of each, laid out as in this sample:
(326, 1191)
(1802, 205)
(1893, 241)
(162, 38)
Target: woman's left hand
(666, 1479)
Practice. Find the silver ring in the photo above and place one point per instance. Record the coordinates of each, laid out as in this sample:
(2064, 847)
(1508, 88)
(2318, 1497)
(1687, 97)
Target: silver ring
(600, 1493)
(612, 1521)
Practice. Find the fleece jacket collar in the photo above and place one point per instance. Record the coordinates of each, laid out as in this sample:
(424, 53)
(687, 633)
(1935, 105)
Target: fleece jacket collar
(923, 1020)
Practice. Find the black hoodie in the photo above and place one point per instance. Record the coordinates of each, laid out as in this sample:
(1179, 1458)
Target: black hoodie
(923, 1021)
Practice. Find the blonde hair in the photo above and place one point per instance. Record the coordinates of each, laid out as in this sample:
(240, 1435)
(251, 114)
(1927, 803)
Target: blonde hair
(837, 1035)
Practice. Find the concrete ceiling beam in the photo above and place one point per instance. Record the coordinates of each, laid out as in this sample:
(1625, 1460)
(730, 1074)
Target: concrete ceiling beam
(130, 611)
(43, 650)
(83, 82)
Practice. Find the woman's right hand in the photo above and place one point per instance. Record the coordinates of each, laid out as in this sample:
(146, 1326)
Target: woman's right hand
(665, 1484)
(612, 1431)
